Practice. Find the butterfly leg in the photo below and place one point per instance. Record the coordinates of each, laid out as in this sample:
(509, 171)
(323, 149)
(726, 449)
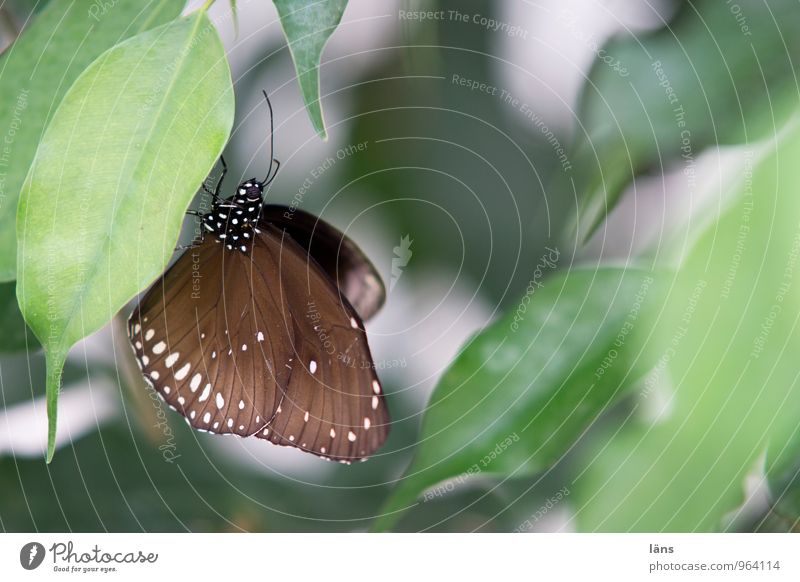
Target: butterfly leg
(194, 242)
(215, 193)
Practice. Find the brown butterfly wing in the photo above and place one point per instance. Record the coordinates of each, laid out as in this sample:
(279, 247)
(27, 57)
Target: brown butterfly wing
(261, 343)
(333, 404)
(337, 255)
(196, 339)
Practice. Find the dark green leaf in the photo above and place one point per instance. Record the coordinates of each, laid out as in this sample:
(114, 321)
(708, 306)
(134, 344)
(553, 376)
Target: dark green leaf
(522, 391)
(14, 333)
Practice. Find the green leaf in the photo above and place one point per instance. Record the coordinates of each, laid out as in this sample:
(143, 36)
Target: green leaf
(710, 77)
(37, 70)
(14, 333)
(523, 390)
(727, 376)
(307, 25)
(103, 205)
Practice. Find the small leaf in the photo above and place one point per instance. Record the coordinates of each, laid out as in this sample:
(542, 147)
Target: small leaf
(14, 333)
(37, 70)
(523, 390)
(235, 15)
(103, 205)
(307, 25)
(708, 78)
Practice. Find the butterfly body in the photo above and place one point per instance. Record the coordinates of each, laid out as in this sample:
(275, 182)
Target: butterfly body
(233, 222)
(253, 332)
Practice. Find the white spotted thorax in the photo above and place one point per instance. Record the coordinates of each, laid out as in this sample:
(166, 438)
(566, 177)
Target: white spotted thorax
(233, 221)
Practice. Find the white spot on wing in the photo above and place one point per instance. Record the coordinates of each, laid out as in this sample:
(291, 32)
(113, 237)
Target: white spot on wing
(374, 403)
(195, 383)
(260, 336)
(376, 388)
(181, 374)
(207, 417)
(312, 367)
(241, 405)
(159, 348)
(150, 333)
(351, 436)
(333, 433)
(353, 323)
(205, 394)
(220, 400)
(366, 423)
(171, 359)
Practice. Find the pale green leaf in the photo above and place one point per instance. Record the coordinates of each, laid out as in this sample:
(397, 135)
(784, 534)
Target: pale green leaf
(37, 70)
(102, 208)
(727, 381)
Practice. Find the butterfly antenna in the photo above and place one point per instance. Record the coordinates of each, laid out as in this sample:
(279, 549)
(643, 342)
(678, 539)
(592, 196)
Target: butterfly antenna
(272, 161)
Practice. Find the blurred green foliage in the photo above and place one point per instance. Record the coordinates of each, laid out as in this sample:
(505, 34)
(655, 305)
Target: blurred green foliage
(685, 411)
(718, 73)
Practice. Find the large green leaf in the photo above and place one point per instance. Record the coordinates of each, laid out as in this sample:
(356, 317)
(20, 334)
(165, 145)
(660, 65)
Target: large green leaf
(37, 70)
(523, 390)
(728, 373)
(103, 205)
(308, 24)
(713, 76)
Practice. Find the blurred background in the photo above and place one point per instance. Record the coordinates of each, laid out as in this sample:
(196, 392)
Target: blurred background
(446, 163)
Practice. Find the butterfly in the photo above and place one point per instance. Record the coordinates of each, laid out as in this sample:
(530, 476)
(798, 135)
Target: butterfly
(257, 330)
